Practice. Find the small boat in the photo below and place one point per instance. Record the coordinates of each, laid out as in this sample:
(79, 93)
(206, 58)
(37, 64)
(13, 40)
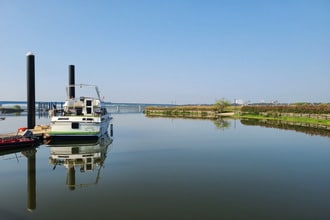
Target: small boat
(83, 118)
(17, 141)
(2, 118)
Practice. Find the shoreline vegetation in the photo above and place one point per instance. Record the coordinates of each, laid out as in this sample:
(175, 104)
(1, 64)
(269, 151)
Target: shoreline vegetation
(299, 114)
(8, 110)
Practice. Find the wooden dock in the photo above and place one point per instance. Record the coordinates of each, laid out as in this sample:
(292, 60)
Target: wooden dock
(40, 131)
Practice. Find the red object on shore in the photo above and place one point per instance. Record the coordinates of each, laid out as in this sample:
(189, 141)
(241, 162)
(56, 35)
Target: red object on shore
(21, 129)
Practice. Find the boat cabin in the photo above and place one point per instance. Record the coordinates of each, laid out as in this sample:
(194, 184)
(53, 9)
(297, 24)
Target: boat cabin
(83, 107)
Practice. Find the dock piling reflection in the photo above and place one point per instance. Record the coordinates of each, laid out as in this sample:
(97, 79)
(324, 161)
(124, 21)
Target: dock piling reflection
(31, 178)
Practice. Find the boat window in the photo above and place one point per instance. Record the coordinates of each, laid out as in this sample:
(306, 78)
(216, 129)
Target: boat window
(89, 106)
(88, 119)
(75, 125)
(75, 150)
(79, 111)
(63, 118)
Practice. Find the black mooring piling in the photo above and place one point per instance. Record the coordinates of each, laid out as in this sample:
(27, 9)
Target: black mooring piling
(30, 76)
(71, 82)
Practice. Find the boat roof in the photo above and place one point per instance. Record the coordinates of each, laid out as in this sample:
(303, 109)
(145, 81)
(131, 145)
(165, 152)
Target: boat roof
(95, 93)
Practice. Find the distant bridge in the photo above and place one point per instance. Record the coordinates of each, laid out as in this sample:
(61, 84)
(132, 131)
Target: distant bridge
(61, 103)
(115, 107)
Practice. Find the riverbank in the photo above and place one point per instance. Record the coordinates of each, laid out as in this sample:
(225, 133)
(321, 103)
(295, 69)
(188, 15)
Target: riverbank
(207, 112)
(309, 114)
(8, 110)
(304, 114)
(296, 119)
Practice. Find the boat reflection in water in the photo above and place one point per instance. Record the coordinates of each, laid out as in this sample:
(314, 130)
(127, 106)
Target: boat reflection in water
(86, 157)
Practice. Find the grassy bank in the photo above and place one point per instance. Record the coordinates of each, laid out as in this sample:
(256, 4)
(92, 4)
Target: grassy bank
(306, 113)
(311, 114)
(293, 108)
(182, 111)
(13, 109)
(288, 119)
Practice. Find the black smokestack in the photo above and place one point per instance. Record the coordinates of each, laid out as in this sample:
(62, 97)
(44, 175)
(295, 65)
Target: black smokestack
(71, 82)
(30, 76)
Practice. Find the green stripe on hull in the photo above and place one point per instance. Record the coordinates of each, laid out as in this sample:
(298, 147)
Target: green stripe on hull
(72, 133)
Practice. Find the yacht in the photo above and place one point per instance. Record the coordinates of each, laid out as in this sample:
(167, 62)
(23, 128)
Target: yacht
(83, 118)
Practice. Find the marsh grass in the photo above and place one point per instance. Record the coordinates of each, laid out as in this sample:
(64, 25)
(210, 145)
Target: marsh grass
(253, 112)
(288, 119)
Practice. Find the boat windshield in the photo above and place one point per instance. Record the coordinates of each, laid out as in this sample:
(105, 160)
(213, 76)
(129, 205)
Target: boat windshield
(84, 90)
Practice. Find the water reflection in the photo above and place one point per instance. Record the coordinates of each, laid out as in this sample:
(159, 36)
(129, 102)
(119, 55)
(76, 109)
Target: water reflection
(30, 154)
(311, 129)
(86, 158)
(31, 178)
(222, 124)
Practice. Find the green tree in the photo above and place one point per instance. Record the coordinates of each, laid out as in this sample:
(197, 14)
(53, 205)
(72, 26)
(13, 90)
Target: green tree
(220, 104)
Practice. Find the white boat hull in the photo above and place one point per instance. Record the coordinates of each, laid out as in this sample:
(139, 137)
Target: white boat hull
(79, 127)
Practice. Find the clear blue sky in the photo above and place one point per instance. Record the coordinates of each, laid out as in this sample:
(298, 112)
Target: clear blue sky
(169, 51)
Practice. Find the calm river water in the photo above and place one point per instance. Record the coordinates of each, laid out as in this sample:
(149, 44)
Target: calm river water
(161, 168)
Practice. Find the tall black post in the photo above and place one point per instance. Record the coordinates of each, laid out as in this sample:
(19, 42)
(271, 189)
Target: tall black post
(71, 82)
(30, 70)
